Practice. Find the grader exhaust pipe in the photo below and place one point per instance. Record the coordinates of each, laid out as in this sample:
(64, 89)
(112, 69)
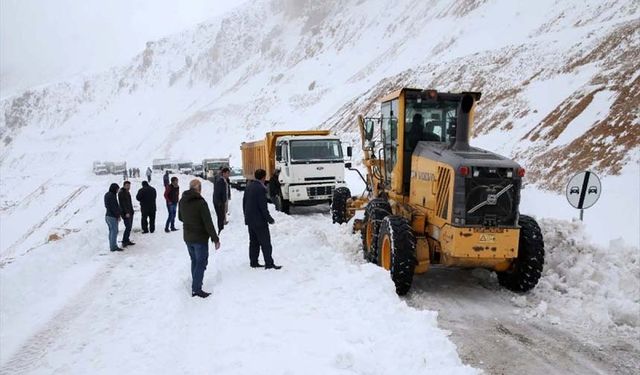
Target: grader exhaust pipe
(463, 125)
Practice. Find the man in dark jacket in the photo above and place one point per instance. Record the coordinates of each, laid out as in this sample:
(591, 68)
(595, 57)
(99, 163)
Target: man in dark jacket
(147, 198)
(171, 195)
(126, 207)
(221, 196)
(257, 218)
(198, 229)
(112, 217)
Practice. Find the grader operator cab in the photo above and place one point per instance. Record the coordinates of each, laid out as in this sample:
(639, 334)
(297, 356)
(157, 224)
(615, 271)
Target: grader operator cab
(433, 199)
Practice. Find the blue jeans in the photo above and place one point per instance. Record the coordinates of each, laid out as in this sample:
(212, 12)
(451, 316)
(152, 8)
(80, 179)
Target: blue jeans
(112, 223)
(171, 208)
(199, 254)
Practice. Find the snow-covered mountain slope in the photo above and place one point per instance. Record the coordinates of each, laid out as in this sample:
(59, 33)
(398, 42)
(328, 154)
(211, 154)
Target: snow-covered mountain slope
(559, 78)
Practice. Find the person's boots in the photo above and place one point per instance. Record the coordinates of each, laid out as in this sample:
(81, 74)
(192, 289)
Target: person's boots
(201, 294)
(272, 267)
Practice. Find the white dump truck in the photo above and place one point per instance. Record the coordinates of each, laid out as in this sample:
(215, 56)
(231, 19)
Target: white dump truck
(310, 165)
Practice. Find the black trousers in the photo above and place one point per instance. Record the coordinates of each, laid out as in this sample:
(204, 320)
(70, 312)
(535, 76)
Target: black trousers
(259, 237)
(220, 214)
(148, 221)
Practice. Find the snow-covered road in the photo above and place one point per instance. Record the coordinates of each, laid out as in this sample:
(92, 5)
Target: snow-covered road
(493, 334)
(70, 306)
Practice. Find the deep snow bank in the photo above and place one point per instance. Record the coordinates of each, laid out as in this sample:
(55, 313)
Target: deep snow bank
(585, 284)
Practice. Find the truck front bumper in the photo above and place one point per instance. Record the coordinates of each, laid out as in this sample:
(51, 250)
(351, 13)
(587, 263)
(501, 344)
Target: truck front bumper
(309, 195)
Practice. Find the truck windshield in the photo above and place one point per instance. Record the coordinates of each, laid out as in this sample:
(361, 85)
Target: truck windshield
(316, 149)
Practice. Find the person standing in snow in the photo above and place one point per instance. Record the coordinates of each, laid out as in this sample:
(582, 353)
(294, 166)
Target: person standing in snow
(147, 198)
(274, 184)
(198, 228)
(124, 175)
(257, 219)
(149, 173)
(126, 207)
(171, 195)
(221, 196)
(112, 216)
(165, 179)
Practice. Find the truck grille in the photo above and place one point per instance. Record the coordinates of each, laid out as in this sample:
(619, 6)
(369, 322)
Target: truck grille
(315, 191)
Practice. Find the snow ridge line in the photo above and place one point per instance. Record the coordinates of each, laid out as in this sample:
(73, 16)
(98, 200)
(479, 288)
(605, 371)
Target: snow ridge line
(35, 348)
(7, 256)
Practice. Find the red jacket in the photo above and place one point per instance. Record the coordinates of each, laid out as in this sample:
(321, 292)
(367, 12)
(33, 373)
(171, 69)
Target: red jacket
(171, 194)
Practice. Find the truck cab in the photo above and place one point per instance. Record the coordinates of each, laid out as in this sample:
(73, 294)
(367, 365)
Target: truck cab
(310, 169)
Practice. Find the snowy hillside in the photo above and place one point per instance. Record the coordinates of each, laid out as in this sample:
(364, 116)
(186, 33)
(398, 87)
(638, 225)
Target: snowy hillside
(559, 80)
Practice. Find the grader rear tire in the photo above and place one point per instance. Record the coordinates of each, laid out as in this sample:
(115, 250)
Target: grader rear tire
(396, 251)
(339, 205)
(376, 210)
(527, 268)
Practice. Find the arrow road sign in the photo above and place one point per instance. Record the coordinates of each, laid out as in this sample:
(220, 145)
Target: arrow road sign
(583, 190)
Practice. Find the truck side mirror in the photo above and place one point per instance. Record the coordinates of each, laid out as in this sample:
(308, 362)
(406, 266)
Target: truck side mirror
(347, 165)
(349, 151)
(279, 153)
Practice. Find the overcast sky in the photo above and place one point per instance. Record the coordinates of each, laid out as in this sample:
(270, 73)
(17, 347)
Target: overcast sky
(43, 41)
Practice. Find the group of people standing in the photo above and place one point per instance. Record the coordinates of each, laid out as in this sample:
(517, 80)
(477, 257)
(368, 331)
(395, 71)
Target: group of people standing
(193, 211)
(117, 201)
(119, 206)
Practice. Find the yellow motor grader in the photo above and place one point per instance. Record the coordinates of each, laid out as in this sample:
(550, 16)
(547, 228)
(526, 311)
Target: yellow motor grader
(433, 199)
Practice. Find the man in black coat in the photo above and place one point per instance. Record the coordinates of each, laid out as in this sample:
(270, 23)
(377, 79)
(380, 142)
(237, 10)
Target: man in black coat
(147, 198)
(257, 219)
(198, 228)
(221, 196)
(112, 216)
(124, 197)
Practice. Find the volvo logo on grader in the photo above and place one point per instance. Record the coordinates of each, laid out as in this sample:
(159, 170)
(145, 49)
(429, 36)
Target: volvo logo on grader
(473, 220)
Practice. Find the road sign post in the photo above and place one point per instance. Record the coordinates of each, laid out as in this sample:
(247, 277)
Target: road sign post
(583, 191)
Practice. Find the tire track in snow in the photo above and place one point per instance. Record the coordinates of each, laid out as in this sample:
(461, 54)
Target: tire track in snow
(35, 348)
(8, 255)
(491, 336)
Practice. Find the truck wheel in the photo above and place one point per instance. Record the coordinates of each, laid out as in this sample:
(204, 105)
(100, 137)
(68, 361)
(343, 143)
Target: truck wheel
(527, 268)
(396, 251)
(375, 211)
(339, 212)
(281, 204)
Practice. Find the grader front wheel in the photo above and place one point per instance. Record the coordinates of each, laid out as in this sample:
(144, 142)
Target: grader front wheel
(376, 210)
(527, 268)
(396, 251)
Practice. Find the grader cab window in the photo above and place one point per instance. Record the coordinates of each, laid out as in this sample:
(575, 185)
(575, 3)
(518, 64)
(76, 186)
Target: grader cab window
(425, 120)
(428, 120)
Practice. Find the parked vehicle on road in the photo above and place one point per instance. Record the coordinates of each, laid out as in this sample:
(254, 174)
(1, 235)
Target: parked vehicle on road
(310, 162)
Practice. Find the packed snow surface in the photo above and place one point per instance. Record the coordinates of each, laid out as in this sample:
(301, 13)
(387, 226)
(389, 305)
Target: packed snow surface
(68, 305)
(71, 306)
